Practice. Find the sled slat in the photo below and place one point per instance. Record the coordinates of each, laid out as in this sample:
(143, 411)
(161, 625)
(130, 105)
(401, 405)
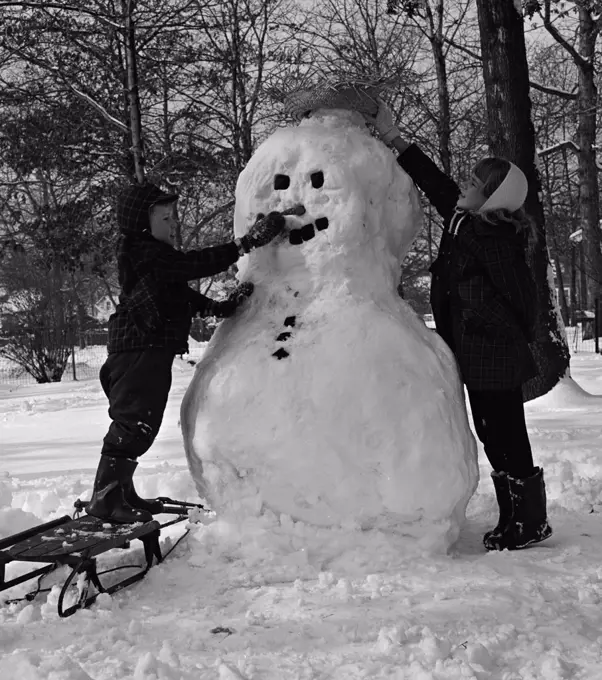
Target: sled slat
(87, 535)
(34, 531)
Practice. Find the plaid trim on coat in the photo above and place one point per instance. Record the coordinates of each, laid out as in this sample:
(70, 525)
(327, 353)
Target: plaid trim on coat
(482, 292)
(156, 304)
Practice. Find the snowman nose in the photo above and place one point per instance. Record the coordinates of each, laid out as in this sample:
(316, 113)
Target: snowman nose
(295, 210)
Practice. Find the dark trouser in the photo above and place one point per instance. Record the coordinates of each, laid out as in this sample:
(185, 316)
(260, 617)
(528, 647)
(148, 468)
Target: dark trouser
(137, 385)
(499, 419)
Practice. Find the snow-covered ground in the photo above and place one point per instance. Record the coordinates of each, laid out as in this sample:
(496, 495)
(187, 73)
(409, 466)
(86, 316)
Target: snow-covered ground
(267, 599)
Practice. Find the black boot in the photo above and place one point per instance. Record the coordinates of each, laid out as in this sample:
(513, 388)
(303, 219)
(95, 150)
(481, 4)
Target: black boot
(130, 496)
(529, 523)
(502, 493)
(107, 500)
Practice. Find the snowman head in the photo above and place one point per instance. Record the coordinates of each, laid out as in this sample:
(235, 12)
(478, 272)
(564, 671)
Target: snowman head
(361, 210)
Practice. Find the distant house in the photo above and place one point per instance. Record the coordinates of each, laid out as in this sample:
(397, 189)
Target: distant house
(103, 308)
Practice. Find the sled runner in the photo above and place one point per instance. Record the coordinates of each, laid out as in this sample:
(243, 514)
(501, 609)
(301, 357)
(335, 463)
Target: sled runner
(76, 542)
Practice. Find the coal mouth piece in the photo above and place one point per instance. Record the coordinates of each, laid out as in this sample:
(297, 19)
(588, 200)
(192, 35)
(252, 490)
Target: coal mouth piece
(307, 232)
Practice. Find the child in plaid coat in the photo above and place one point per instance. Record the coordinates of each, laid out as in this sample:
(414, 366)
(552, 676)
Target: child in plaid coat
(149, 327)
(483, 302)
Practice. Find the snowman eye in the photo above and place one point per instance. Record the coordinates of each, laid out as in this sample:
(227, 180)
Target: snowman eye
(282, 182)
(317, 179)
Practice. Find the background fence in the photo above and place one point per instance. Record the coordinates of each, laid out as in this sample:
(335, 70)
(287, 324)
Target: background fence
(86, 358)
(89, 351)
(87, 354)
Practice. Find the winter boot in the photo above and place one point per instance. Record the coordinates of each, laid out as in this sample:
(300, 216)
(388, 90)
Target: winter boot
(529, 523)
(107, 500)
(502, 493)
(130, 496)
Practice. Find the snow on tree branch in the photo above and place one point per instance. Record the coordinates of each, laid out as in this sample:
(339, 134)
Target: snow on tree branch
(94, 104)
(553, 90)
(566, 144)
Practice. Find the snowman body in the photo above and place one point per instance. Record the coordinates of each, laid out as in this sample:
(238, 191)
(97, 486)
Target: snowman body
(325, 397)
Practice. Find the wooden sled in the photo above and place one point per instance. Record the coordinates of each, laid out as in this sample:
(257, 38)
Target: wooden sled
(76, 543)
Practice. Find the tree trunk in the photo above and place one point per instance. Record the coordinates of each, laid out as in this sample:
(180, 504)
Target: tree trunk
(583, 304)
(432, 28)
(587, 98)
(554, 250)
(574, 302)
(564, 308)
(132, 89)
(444, 119)
(512, 136)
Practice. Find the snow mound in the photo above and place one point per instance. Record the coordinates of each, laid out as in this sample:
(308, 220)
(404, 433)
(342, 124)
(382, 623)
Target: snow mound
(30, 666)
(13, 520)
(567, 395)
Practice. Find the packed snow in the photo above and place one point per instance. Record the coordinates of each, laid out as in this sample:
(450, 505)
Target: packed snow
(326, 397)
(266, 598)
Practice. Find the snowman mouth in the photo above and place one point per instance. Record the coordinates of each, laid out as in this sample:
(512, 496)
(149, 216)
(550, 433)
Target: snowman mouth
(307, 231)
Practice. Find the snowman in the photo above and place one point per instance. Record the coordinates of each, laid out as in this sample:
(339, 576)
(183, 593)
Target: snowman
(326, 398)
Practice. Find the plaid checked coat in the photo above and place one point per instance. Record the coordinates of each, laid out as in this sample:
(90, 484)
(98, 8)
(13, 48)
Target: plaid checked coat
(156, 305)
(482, 292)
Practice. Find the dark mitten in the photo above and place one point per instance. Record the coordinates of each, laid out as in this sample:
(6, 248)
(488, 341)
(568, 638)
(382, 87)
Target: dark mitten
(227, 308)
(263, 231)
(241, 292)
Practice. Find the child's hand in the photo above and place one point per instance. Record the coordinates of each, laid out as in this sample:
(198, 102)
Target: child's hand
(241, 293)
(263, 231)
(383, 122)
(227, 308)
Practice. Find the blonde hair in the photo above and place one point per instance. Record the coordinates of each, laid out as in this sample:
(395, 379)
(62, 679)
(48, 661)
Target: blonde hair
(492, 171)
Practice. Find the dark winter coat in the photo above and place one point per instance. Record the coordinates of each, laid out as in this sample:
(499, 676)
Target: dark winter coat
(482, 292)
(156, 305)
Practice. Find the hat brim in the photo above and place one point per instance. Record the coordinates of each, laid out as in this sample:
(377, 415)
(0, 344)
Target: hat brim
(358, 96)
(168, 198)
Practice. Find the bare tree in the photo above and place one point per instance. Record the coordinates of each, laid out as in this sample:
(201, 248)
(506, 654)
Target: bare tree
(440, 21)
(512, 136)
(582, 52)
(554, 116)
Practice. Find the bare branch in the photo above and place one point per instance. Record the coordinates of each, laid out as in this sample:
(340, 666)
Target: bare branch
(534, 84)
(463, 48)
(563, 94)
(566, 144)
(43, 5)
(197, 227)
(555, 33)
(82, 95)
(98, 107)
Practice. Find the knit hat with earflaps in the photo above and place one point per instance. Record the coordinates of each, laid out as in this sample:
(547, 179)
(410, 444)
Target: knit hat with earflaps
(511, 193)
(133, 205)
